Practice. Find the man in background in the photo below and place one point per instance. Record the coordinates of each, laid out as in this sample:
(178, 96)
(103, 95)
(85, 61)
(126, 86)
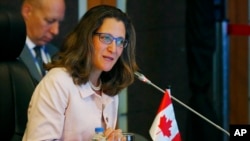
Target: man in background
(42, 18)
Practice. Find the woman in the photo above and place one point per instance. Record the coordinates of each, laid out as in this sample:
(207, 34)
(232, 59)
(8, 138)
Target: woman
(80, 91)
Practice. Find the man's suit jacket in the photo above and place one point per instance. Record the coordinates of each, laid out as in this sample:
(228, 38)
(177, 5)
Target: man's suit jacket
(28, 59)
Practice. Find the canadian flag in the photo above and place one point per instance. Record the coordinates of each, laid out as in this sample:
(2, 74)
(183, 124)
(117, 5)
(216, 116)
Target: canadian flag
(164, 127)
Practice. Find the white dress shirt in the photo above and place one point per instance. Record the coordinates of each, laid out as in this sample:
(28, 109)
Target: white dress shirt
(45, 56)
(61, 110)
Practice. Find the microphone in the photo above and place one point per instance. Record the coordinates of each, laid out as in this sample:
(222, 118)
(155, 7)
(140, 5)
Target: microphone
(146, 80)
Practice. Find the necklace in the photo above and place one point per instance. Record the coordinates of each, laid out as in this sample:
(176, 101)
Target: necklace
(98, 88)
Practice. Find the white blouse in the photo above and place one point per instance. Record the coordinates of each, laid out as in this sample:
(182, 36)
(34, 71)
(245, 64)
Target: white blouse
(61, 110)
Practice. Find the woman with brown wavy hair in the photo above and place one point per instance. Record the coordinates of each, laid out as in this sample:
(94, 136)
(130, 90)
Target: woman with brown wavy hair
(80, 90)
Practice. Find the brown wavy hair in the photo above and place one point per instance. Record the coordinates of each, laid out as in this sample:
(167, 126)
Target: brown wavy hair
(77, 49)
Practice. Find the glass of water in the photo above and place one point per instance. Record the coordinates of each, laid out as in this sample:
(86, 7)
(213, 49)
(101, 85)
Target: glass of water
(128, 136)
(124, 137)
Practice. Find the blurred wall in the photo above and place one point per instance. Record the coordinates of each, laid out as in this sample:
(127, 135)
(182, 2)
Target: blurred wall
(161, 55)
(239, 64)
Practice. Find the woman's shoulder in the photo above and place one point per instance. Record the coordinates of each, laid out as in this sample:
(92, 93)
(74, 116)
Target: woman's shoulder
(58, 73)
(58, 70)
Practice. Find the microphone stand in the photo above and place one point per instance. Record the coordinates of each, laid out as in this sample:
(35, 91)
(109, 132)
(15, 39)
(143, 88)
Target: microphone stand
(145, 80)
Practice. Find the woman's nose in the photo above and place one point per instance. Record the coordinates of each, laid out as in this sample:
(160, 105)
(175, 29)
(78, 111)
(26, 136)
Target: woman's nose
(112, 47)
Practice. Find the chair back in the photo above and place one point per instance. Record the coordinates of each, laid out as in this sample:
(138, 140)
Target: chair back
(16, 83)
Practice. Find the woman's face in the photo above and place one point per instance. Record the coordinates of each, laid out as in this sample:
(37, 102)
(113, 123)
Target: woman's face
(106, 55)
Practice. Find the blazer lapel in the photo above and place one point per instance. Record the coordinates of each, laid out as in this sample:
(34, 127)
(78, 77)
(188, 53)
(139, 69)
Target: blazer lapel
(28, 59)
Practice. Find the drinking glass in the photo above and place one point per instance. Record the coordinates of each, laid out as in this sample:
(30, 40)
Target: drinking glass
(128, 137)
(125, 137)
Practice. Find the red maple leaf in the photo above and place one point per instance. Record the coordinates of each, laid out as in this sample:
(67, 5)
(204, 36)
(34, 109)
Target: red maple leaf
(165, 125)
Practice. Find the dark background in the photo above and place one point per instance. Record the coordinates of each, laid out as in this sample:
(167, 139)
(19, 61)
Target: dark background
(161, 55)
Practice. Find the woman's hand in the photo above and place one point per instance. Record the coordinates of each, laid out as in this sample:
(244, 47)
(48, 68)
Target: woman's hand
(113, 135)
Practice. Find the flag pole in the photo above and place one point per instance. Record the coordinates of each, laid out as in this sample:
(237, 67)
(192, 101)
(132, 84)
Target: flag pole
(146, 80)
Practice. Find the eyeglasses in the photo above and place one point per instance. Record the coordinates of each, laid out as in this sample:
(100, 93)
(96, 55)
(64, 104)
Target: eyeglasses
(108, 39)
